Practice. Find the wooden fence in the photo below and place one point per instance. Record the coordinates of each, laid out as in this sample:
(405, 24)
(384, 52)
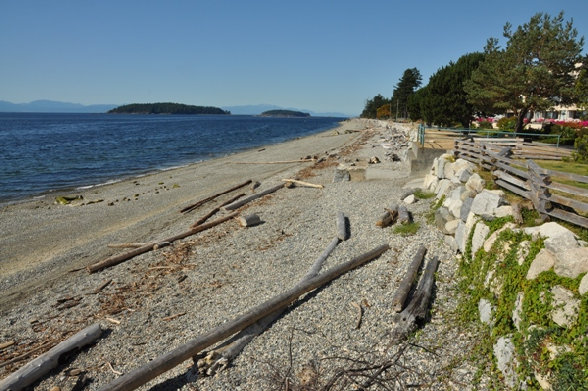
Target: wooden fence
(524, 177)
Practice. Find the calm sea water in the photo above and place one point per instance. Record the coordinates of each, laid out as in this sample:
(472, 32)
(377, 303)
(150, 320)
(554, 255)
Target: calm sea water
(42, 152)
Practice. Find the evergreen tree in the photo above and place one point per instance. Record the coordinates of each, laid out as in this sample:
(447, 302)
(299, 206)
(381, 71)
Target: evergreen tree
(535, 71)
(408, 83)
(372, 105)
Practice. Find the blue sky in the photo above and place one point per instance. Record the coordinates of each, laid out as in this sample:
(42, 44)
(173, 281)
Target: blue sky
(317, 55)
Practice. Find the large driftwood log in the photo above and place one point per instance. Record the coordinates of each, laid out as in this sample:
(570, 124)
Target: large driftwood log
(40, 366)
(408, 280)
(167, 361)
(278, 162)
(115, 260)
(239, 203)
(218, 359)
(417, 308)
(403, 215)
(203, 219)
(302, 183)
(212, 197)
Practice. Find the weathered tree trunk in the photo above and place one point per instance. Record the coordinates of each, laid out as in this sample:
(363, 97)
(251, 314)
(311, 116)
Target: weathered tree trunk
(216, 210)
(417, 308)
(342, 232)
(41, 365)
(212, 197)
(408, 280)
(115, 260)
(238, 204)
(302, 183)
(165, 362)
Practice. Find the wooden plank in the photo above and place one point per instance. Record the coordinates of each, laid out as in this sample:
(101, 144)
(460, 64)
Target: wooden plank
(512, 170)
(408, 280)
(167, 361)
(241, 202)
(511, 179)
(512, 188)
(568, 189)
(567, 175)
(579, 206)
(569, 217)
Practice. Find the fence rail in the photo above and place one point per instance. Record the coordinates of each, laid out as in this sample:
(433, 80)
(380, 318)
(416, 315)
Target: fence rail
(524, 177)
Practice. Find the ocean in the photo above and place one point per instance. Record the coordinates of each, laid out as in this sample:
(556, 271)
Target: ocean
(45, 152)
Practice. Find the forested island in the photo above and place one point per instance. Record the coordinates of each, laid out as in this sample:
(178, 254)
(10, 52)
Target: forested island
(166, 108)
(284, 113)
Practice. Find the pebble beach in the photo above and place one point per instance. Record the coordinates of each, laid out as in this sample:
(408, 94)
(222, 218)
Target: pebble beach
(338, 336)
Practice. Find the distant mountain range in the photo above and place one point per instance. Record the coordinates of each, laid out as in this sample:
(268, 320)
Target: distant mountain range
(50, 106)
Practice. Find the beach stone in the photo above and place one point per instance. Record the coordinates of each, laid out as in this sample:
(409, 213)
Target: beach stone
(451, 226)
(485, 311)
(411, 199)
(475, 183)
(504, 352)
(480, 232)
(543, 262)
(565, 307)
(466, 206)
(518, 310)
(583, 288)
(571, 262)
(341, 175)
(486, 202)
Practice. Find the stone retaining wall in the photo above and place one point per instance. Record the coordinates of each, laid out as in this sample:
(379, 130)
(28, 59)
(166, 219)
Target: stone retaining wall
(529, 284)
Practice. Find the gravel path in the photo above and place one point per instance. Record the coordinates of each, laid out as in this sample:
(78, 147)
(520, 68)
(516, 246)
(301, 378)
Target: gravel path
(161, 299)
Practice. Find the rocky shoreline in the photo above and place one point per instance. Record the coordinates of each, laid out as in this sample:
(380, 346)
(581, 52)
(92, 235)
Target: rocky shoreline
(340, 335)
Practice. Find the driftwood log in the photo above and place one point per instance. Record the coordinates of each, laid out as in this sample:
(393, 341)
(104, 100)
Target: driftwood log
(342, 231)
(40, 366)
(403, 215)
(203, 219)
(212, 197)
(302, 183)
(167, 361)
(417, 309)
(278, 162)
(408, 280)
(218, 359)
(239, 203)
(115, 260)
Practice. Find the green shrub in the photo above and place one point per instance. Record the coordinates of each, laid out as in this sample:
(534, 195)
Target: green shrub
(581, 152)
(507, 123)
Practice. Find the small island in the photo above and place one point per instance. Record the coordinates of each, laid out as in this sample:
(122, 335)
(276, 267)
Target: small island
(166, 108)
(284, 113)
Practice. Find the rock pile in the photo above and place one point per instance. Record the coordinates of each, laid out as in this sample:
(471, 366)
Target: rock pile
(528, 281)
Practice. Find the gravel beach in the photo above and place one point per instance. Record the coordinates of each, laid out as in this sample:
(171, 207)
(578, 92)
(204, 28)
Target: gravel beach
(339, 334)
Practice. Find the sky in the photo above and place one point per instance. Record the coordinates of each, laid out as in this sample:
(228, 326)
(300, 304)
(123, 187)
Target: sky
(324, 56)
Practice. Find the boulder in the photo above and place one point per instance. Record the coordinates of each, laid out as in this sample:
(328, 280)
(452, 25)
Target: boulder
(463, 174)
(451, 226)
(440, 167)
(486, 202)
(543, 262)
(466, 206)
(549, 230)
(341, 175)
(503, 211)
(504, 352)
(475, 183)
(450, 241)
(518, 310)
(571, 262)
(410, 199)
(583, 288)
(444, 187)
(430, 182)
(492, 238)
(481, 231)
(523, 251)
(565, 306)
(485, 311)
(463, 231)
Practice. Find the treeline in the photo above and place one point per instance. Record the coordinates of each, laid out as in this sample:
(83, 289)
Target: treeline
(166, 108)
(541, 66)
